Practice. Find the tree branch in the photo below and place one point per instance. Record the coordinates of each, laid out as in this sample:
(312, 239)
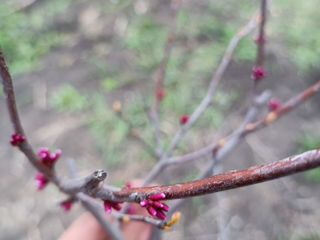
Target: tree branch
(250, 127)
(206, 101)
(96, 209)
(174, 8)
(230, 180)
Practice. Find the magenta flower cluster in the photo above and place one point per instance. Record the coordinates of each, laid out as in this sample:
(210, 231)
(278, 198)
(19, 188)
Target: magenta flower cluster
(154, 206)
(258, 72)
(17, 139)
(109, 205)
(48, 159)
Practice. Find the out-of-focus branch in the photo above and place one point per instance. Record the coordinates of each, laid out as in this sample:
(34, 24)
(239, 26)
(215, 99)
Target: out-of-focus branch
(218, 155)
(25, 147)
(258, 70)
(250, 127)
(126, 217)
(261, 37)
(225, 181)
(96, 209)
(206, 101)
(242, 32)
(89, 184)
(158, 94)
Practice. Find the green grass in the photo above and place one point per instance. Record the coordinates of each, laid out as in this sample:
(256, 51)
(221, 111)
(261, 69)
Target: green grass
(312, 236)
(68, 98)
(109, 84)
(24, 38)
(300, 34)
(308, 142)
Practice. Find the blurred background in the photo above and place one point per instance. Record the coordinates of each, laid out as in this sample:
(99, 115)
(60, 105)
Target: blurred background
(72, 59)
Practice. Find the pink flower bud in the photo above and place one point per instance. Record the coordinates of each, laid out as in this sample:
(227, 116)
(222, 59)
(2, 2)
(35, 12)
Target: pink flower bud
(66, 205)
(48, 159)
(116, 206)
(157, 204)
(144, 203)
(273, 104)
(160, 94)
(184, 118)
(17, 139)
(257, 39)
(107, 206)
(258, 72)
(151, 211)
(160, 215)
(157, 196)
(165, 207)
(41, 180)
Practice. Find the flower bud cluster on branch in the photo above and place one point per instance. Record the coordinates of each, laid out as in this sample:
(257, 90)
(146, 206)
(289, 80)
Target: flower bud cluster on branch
(91, 190)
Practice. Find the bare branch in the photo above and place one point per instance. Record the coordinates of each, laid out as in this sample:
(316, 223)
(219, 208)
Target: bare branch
(174, 8)
(242, 32)
(251, 127)
(225, 181)
(206, 101)
(96, 209)
(261, 36)
(127, 217)
(25, 147)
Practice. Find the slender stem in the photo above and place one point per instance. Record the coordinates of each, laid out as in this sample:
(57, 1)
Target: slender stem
(154, 114)
(261, 36)
(96, 209)
(25, 147)
(260, 41)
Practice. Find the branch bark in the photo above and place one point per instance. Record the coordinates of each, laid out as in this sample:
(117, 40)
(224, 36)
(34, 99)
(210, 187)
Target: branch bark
(230, 180)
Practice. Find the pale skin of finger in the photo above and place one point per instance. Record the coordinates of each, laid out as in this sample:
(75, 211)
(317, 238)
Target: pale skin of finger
(87, 227)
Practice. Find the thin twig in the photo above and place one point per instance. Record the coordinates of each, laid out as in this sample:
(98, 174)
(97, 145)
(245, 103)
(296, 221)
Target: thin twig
(206, 101)
(261, 40)
(250, 127)
(154, 113)
(96, 209)
(25, 147)
(127, 217)
(261, 36)
(218, 155)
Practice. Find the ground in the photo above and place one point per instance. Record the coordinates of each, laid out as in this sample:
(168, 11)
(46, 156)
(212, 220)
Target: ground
(287, 208)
